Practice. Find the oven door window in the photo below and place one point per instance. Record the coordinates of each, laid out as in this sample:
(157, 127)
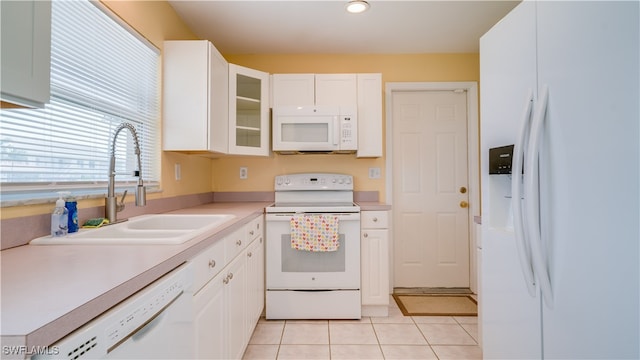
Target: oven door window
(312, 261)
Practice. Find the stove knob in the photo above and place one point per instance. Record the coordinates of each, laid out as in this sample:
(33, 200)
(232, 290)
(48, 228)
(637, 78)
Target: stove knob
(348, 181)
(287, 181)
(279, 180)
(341, 181)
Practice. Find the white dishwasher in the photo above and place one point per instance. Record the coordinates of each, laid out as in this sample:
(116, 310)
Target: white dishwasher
(154, 323)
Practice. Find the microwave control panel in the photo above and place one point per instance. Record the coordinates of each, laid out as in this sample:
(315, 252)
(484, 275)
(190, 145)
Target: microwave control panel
(348, 132)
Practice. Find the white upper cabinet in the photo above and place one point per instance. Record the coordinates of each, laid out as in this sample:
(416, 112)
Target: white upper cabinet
(314, 89)
(293, 90)
(25, 53)
(248, 111)
(211, 106)
(336, 89)
(369, 115)
(195, 101)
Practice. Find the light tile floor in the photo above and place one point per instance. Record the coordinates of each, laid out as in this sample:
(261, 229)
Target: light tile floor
(393, 337)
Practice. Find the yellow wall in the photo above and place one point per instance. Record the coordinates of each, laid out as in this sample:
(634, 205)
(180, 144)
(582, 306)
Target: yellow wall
(157, 21)
(394, 68)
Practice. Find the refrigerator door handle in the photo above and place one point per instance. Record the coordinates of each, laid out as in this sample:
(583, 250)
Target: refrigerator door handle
(524, 249)
(532, 196)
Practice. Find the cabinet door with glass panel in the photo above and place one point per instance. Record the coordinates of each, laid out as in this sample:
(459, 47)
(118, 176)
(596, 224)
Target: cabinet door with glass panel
(248, 111)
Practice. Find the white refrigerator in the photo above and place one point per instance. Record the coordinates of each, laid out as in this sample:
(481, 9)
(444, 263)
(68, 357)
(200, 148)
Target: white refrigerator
(560, 81)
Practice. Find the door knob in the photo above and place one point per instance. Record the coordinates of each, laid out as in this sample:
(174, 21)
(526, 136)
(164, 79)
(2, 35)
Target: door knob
(463, 190)
(464, 204)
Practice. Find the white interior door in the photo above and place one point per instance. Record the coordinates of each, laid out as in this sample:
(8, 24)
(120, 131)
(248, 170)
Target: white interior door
(430, 189)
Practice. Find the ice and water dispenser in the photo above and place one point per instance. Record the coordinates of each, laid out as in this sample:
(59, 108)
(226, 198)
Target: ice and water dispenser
(500, 160)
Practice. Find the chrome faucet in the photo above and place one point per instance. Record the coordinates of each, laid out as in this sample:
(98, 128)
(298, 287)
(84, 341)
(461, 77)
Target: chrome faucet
(111, 205)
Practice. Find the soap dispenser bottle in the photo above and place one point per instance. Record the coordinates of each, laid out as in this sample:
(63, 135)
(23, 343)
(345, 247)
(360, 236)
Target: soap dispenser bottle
(59, 218)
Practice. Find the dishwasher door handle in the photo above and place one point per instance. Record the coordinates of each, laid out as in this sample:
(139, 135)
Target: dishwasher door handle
(139, 333)
(149, 326)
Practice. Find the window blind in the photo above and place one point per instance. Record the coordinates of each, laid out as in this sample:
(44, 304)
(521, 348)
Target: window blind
(102, 74)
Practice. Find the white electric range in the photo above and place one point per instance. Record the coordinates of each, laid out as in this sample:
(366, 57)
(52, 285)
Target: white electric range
(305, 284)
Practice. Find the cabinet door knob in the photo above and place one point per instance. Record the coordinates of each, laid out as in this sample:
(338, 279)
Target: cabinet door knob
(212, 263)
(375, 219)
(366, 235)
(464, 204)
(239, 242)
(251, 232)
(249, 254)
(230, 275)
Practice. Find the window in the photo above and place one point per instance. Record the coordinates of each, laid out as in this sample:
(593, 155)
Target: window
(102, 74)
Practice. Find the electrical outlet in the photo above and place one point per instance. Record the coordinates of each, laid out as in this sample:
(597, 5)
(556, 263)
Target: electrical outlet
(374, 173)
(178, 171)
(244, 172)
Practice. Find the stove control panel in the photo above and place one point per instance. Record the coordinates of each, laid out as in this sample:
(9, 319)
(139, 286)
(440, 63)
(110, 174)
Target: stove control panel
(314, 181)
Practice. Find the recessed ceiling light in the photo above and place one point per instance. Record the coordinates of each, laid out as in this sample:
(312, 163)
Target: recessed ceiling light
(357, 6)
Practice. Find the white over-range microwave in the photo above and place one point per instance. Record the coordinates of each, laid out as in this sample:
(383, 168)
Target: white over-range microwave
(299, 129)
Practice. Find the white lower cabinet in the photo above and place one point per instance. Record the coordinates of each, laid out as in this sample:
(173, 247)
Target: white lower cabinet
(209, 323)
(255, 282)
(374, 247)
(227, 308)
(235, 298)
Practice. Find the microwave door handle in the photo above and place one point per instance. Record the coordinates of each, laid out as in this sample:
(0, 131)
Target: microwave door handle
(336, 130)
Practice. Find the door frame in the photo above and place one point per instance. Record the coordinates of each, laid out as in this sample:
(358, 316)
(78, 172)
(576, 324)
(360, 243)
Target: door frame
(473, 160)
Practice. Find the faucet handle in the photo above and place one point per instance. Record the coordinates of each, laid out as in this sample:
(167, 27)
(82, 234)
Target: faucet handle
(120, 205)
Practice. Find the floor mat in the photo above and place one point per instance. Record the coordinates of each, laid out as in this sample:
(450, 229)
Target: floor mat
(436, 305)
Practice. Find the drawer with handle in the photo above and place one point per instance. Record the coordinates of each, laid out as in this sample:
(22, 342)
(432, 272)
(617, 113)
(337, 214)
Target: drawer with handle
(235, 243)
(208, 264)
(255, 228)
(374, 219)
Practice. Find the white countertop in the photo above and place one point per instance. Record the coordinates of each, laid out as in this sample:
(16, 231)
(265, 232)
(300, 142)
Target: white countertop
(47, 291)
(373, 206)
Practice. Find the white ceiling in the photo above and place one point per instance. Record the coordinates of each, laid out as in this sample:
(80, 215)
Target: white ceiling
(388, 27)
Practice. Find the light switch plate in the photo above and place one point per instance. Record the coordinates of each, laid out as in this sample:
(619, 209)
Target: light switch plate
(244, 172)
(374, 173)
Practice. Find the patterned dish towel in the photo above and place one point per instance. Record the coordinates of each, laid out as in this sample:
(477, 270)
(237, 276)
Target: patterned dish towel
(314, 232)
